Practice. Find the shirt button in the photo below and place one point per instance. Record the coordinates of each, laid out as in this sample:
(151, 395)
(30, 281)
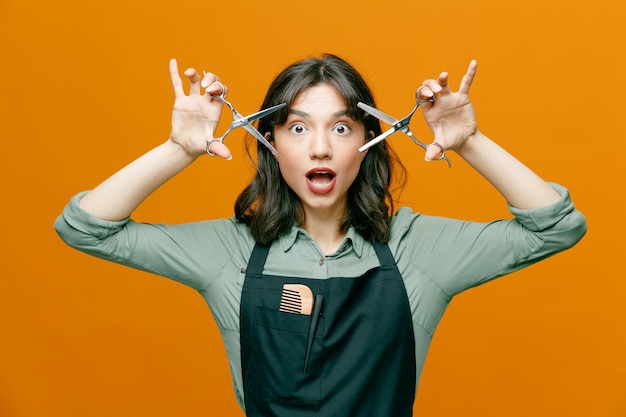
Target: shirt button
(321, 262)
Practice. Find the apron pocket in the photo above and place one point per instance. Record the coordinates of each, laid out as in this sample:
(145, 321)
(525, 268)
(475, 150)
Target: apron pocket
(278, 354)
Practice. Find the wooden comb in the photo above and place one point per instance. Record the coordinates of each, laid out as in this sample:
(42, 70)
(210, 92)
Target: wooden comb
(296, 299)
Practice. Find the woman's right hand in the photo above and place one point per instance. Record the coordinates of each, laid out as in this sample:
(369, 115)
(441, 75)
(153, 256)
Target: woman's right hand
(195, 115)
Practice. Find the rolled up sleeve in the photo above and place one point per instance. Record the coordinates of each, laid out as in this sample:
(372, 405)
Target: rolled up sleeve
(458, 254)
(191, 253)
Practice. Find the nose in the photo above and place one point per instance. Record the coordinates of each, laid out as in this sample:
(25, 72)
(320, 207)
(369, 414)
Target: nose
(320, 147)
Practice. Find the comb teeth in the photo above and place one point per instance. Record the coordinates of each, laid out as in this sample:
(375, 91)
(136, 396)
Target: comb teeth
(290, 302)
(296, 299)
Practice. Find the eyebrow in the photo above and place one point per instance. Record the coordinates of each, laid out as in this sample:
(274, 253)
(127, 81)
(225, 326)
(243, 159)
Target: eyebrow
(306, 115)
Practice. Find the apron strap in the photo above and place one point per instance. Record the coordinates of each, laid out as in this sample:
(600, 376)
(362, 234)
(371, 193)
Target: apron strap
(257, 259)
(384, 255)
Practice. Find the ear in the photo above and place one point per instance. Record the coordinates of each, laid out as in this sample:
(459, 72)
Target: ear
(268, 137)
(370, 135)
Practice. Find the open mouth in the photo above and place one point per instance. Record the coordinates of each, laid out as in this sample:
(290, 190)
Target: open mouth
(321, 180)
(321, 177)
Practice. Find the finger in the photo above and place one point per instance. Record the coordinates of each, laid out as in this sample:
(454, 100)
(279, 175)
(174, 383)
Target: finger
(194, 81)
(212, 84)
(217, 88)
(442, 80)
(425, 93)
(433, 151)
(177, 83)
(466, 82)
(432, 87)
(221, 150)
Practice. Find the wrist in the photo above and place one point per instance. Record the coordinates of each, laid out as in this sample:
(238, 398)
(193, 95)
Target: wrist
(472, 144)
(178, 151)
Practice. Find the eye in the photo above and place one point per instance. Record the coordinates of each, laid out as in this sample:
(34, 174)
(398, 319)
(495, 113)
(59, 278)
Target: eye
(298, 129)
(342, 129)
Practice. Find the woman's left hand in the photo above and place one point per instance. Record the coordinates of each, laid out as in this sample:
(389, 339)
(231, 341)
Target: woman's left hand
(451, 116)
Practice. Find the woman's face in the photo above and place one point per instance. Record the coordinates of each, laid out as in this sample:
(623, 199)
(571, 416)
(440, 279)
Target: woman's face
(318, 150)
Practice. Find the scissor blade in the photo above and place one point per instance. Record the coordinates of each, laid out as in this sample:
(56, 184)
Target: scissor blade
(377, 113)
(377, 139)
(265, 112)
(259, 137)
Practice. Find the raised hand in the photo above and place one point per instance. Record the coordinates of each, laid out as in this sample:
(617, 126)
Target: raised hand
(451, 116)
(195, 115)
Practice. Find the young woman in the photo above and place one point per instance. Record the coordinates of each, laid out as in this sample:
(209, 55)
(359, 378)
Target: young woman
(326, 296)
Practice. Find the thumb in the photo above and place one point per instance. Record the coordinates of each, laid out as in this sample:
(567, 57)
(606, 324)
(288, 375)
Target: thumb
(433, 151)
(219, 149)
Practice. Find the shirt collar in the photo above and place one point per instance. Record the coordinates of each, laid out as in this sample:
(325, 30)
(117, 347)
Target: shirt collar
(357, 241)
(288, 239)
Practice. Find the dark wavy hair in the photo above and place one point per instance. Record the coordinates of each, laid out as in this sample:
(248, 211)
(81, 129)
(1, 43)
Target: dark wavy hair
(268, 205)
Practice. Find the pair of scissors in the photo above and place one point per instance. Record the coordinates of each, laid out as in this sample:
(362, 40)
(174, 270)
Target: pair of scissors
(241, 121)
(401, 125)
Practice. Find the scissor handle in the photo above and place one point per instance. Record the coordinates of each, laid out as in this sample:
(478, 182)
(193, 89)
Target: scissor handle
(417, 97)
(209, 142)
(442, 155)
(222, 97)
(403, 124)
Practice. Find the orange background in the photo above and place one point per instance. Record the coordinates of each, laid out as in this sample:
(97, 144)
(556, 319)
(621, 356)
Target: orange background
(85, 89)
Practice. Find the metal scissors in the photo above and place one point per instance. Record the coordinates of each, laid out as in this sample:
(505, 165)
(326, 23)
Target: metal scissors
(241, 121)
(401, 125)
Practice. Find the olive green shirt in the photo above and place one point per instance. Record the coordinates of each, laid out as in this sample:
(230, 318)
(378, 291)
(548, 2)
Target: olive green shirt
(437, 257)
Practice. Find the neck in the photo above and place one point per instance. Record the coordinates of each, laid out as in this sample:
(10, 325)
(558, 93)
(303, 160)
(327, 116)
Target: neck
(326, 232)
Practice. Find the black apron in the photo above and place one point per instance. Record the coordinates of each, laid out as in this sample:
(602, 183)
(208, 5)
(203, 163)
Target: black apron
(352, 356)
